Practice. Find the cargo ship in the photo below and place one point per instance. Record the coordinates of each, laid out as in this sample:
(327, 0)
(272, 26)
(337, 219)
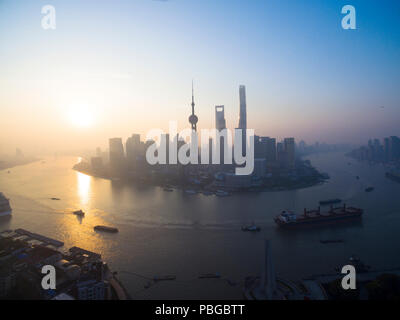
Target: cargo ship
(334, 215)
(5, 208)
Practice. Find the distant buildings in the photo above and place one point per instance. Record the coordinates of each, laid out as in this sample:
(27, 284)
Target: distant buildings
(131, 163)
(96, 163)
(281, 154)
(374, 151)
(117, 155)
(132, 147)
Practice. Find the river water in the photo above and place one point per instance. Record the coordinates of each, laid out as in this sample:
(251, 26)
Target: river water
(164, 233)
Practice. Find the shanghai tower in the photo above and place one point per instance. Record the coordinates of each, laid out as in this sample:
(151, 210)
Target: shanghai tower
(242, 114)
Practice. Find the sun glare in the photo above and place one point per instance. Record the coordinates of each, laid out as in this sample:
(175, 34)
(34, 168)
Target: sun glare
(80, 116)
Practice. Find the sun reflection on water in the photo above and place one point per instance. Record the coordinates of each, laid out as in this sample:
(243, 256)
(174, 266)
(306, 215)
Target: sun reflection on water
(84, 183)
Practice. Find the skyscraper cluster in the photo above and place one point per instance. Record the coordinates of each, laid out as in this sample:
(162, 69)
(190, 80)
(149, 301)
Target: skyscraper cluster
(376, 152)
(267, 152)
(281, 154)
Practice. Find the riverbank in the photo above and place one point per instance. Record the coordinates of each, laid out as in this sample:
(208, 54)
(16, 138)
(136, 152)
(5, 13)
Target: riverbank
(300, 177)
(8, 164)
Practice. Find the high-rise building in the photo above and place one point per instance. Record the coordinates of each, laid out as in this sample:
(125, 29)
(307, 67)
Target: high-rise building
(165, 141)
(243, 116)
(132, 148)
(289, 146)
(260, 167)
(281, 154)
(96, 163)
(220, 122)
(386, 148)
(243, 107)
(394, 148)
(116, 152)
(269, 147)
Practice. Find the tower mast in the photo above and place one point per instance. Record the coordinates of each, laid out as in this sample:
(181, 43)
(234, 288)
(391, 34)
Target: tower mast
(193, 119)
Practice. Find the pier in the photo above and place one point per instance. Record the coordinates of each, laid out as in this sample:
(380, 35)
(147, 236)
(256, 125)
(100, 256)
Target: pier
(35, 236)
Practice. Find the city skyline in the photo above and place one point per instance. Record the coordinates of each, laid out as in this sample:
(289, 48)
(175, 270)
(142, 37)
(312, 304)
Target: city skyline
(305, 76)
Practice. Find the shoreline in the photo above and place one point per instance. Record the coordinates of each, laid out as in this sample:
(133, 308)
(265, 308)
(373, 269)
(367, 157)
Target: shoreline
(13, 165)
(301, 185)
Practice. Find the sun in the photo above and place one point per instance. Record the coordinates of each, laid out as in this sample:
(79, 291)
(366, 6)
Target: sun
(80, 116)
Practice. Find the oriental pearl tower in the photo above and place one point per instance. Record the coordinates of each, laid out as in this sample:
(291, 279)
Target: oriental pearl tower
(193, 118)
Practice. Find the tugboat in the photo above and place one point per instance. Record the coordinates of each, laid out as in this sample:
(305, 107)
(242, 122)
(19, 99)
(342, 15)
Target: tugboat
(210, 276)
(222, 193)
(79, 213)
(251, 228)
(331, 241)
(355, 261)
(190, 192)
(106, 229)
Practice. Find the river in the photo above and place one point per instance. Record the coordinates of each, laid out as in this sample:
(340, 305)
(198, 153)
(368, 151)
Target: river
(164, 233)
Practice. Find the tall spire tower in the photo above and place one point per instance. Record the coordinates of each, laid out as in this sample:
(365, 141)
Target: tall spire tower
(193, 118)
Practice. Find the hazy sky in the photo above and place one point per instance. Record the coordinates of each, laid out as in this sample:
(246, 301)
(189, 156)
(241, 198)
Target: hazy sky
(113, 68)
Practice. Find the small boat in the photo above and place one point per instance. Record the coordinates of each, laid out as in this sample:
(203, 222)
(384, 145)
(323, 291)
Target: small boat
(164, 278)
(369, 189)
(222, 193)
(331, 241)
(252, 228)
(106, 229)
(210, 276)
(330, 201)
(191, 192)
(325, 176)
(56, 199)
(360, 266)
(79, 213)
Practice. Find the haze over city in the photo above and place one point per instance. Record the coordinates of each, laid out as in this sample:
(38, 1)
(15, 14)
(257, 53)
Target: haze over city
(199, 154)
(114, 68)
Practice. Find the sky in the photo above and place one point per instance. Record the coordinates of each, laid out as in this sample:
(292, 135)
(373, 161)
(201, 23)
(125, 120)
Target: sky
(113, 68)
